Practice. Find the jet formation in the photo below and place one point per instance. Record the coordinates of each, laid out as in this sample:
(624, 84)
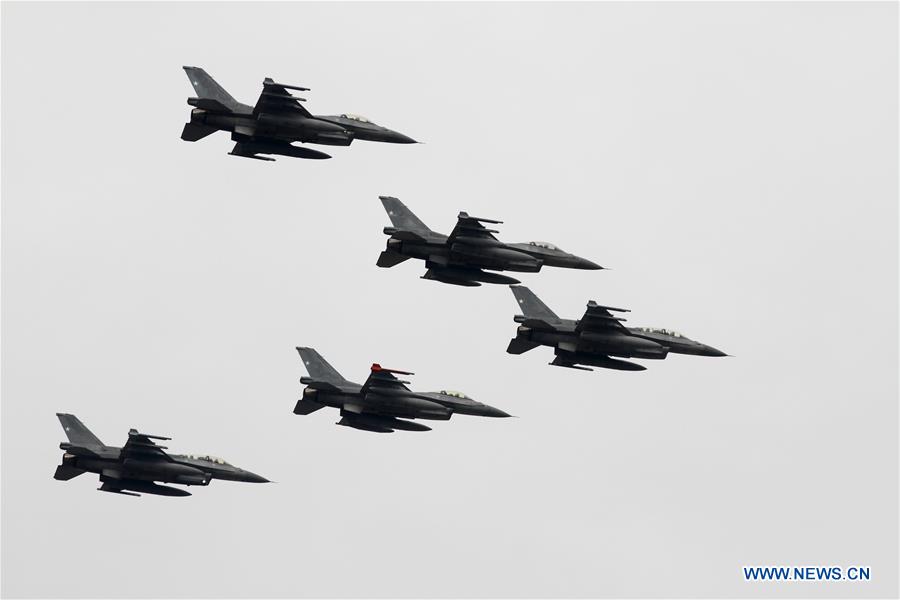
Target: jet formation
(275, 122)
(136, 466)
(383, 403)
(595, 338)
(462, 257)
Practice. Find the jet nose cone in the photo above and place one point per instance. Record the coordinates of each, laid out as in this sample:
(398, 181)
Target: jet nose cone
(490, 411)
(395, 137)
(253, 478)
(583, 263)
(710, 351)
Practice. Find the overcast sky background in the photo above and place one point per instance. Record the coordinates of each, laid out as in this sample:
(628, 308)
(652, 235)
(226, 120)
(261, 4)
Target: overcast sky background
(734, 163)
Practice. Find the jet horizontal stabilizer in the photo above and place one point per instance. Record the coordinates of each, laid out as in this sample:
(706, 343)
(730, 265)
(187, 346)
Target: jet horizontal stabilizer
(193, 132)
(66, 472)
(519, 345)
(388, 259)
(305, 406)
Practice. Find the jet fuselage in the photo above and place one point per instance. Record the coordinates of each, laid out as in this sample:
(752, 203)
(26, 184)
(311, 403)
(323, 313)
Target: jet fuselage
(402, 404)
(182, 469)
(438, 253)
(566, 338)
(325, 130)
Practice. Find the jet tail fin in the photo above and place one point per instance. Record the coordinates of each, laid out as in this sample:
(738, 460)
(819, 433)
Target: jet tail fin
(207, 88)
(78, 434)
(531, 305)
(318, 368)
(403, 218)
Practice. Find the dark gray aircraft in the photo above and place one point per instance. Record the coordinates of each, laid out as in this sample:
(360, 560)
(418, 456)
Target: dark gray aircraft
(594, 338)
(277, 120)
(460, 258)
(139, 463)
(383, 402)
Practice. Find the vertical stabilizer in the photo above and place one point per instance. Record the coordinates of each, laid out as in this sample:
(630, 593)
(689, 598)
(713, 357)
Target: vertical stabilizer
(77, 433)
(531, 305)
(403, 218)
(318, 368)
(207, 88)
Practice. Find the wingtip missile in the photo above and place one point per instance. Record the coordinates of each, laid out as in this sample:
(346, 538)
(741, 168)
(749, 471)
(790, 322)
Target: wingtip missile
(592, 304)
(464, 215)
(270, 81)
(376, 368)
(134, 431)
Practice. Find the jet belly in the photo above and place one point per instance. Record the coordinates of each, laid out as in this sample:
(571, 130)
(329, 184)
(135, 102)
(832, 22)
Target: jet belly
(494, 257)
(407, 406)
(614, 345)
(303, 129)
(162, 470)
(628, 346)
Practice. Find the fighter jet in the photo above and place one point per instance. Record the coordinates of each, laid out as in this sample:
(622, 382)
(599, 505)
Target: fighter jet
(139, 463)
(595, 338)
(277, 120)
(460, 258)
(383, 403)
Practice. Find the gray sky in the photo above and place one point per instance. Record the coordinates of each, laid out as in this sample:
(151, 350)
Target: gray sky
(734, 163)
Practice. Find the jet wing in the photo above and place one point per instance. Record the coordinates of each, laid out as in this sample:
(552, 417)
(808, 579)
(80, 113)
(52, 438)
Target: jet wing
(599, 319)
(472, 230)
(276, 99)
(141, 446)
(384, 379)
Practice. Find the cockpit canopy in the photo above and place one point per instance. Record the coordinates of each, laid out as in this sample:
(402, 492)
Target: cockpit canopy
(545, 245)
(670, 332)
(208, 458)
(359, 118)
(454, 393)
